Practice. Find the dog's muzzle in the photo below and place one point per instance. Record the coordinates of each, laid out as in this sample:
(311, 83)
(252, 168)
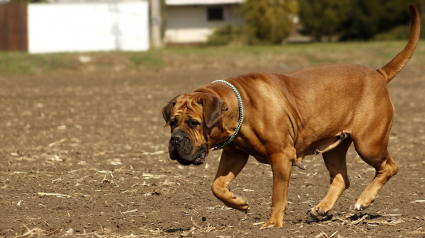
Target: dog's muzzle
(180, 148)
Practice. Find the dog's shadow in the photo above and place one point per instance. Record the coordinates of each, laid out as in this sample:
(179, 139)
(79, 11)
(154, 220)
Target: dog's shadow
(349, 218)
(174, 230)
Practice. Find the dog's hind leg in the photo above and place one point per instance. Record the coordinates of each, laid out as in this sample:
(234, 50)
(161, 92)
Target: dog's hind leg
(371, 145)
(385, 168)
(335, 161)
(231, 163)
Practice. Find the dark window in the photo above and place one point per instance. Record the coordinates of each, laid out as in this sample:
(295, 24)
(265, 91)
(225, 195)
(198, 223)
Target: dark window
(215, 14)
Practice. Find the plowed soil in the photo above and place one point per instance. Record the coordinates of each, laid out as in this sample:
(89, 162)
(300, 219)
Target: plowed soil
(85, 155)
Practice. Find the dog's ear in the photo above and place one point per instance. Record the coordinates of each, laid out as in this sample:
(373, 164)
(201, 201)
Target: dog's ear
(166, 111)
(213, 108)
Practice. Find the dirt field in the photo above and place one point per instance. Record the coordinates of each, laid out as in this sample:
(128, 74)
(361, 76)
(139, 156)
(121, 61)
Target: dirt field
(85, 155)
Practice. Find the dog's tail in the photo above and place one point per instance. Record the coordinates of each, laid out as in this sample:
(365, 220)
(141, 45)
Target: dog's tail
(390, 70)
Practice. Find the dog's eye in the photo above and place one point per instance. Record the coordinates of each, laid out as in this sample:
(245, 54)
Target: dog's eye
(173, 123)
(193, 123)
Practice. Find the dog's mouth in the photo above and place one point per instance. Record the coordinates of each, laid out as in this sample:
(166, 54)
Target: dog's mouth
(180, 155)
(200, 159)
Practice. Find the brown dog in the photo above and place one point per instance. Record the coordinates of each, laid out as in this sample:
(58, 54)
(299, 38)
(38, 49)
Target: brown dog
(322, 109)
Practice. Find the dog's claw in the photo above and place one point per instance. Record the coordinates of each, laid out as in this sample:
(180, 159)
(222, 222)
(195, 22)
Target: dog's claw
(316, 213)
(312, 213)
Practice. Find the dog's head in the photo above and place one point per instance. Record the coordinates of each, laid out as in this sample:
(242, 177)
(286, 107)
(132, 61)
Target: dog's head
(193, 118)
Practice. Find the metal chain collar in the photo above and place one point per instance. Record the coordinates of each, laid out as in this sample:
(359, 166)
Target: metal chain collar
(241, 113)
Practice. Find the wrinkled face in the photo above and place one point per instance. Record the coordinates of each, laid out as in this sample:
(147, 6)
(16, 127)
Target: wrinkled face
(190, 116)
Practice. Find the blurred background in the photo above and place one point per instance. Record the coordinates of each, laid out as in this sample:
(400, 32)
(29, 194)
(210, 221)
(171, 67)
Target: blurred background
(138, 32)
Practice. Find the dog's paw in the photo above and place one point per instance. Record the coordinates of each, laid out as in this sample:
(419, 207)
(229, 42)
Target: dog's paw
(244, 207)
(271, 224)
(266, 226)
(358, 207)
(316, 213)
(361, 205)
(238, 203)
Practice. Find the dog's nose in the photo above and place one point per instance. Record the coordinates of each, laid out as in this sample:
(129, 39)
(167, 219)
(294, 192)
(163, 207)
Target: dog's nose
(176, 139)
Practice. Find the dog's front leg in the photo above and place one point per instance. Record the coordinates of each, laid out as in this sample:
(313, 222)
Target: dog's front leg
(281, 167)
(231, 163)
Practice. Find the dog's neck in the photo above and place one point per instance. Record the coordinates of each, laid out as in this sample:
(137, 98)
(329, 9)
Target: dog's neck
(240, 109)
(225, 127)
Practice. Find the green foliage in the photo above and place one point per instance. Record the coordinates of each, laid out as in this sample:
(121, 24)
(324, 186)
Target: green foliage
(400, 32)
(225, 35)
(322, 18)
(353, 19)
(268, 21)
(396, 33)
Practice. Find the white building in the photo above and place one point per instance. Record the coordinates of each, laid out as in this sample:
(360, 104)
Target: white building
(192, 21)
(70, 26)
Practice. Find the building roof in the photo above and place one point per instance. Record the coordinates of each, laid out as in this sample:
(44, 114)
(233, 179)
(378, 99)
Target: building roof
(200, 2)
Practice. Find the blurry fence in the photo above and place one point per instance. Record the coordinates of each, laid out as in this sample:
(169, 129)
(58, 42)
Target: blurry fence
(13, 27)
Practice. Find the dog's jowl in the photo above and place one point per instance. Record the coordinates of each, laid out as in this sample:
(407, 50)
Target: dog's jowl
(281, 118)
